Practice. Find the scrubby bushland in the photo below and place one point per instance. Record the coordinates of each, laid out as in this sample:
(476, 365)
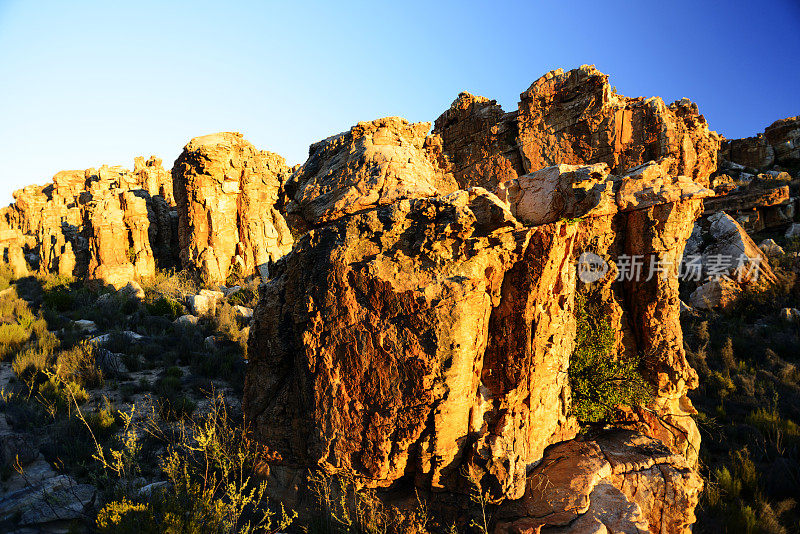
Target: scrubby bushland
(749, 408)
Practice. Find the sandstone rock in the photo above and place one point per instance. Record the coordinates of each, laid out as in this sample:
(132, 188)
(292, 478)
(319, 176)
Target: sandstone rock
(226, 193)
(374, 163)
(573, 118)
(453, 292)
(732, 252)
(790, 314)
(132, 290)
(771, 248)
(186, 319)
(56, 499)
(715, 294)
(97, 223)
(14, 257)
(576, 118)
(784, 137)
(85, 326)
(205, 302)
(560, 192)
(756, 206)
(480, 141)
(244, 312)
(618, 481)
(388, 312)
(650, 184)
(752, 152)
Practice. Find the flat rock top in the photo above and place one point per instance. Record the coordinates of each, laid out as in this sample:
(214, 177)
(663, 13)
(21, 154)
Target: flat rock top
(215, 139)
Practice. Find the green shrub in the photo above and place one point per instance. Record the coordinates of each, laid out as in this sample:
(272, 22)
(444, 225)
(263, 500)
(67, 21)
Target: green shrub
(58, 395)
(599, 379)
(59, 299)
(29, 362)
(12, 337)
(209, 466)
(167, 307)
(79, 364)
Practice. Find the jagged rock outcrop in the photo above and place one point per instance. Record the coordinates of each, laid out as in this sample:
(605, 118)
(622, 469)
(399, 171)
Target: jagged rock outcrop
(758, 177)
(617, 481)
(374, 163)
(226, 191)
(574, 118)
(779, 145)
(480, 140)
(722, 259)
(761, 202)
(409, 339)
(98, 223)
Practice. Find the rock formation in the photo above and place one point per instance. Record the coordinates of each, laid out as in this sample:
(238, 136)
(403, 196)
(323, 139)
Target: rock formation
(618, 481)
(374, 163)
(778, 145)
(574, 118)
(411, 339)
(757, 180)
(100, 224)
(226, 191)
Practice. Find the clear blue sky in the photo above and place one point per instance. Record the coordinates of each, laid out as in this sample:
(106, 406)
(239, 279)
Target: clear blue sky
(86, 83)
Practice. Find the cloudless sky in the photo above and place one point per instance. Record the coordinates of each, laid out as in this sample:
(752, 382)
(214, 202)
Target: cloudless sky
(85, 83)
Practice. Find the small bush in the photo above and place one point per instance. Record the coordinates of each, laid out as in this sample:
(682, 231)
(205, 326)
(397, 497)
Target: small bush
(59, 299)
(208, 466)
(79, 364)
(12, 337)
(29, 362)
(600, 381)
(166, 307)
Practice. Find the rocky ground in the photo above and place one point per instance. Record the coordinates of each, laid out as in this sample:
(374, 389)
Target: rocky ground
(87, 367)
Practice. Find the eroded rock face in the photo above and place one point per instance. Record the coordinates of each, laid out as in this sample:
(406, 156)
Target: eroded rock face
(618, 481)
(374, 163)
(779, 144)
(226, 191)
(480, 141)
(399, 300)
(573, 118)
(414, 340)
(102, 224)
(576, 118)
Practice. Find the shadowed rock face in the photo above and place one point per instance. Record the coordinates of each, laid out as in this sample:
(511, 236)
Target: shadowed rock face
(573, 118)
(226, 191)
(108, 224)
(779, 144)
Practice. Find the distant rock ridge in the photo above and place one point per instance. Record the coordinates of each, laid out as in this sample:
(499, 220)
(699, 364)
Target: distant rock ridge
(108, 224)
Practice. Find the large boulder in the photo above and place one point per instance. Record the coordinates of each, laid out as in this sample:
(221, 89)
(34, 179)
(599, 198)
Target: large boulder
(618, 481)
(226, 192)
(374, 163)
(413, 340)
